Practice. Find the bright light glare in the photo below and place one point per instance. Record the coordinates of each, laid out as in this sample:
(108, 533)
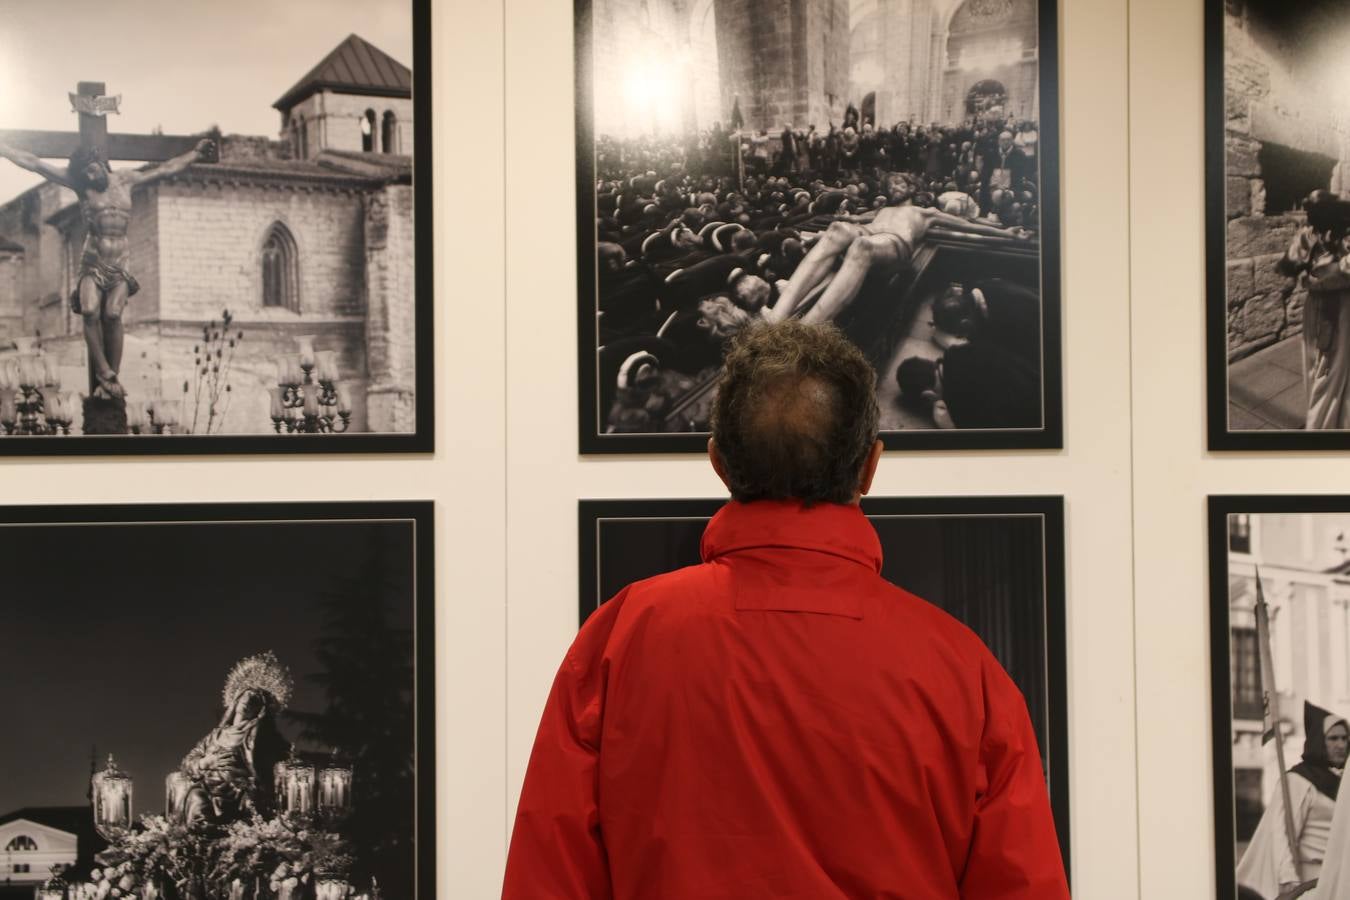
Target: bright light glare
(651, 96)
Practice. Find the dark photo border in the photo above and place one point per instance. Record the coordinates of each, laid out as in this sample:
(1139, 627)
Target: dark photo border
(423, 440)
(591, 514)
(1050, 436)
(1220, 655)
(418, 513)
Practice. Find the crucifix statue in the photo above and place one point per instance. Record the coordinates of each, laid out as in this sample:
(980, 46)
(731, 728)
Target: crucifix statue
(103, 283)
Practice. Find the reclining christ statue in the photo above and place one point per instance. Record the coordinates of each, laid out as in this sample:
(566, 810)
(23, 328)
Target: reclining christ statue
(885, 237)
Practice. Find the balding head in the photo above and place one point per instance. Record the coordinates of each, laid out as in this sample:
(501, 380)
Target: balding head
(796, 415)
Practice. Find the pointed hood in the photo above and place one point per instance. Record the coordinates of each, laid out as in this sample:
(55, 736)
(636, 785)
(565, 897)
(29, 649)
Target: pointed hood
(1316, 766)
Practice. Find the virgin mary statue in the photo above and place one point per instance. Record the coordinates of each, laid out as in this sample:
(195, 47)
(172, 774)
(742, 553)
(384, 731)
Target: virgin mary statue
(229, 772)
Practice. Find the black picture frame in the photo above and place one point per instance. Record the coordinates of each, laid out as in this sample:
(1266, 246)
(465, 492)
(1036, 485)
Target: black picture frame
(1050, 436)
(1220, 395)
(593, 516)
(1222, 698)
(414, 515)
(422, 439)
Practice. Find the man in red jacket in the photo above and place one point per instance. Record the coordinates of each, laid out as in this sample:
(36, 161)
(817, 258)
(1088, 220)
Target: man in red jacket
(780, 722)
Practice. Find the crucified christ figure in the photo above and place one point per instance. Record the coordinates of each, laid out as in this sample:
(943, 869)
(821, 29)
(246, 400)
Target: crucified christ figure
(885, 237)
(103, 284)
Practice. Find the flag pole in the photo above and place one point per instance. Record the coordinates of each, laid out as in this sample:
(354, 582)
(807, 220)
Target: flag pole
(1271, 704)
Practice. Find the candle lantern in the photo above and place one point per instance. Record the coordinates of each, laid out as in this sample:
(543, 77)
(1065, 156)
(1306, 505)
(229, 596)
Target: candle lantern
(176, 788)
(112, 801)
(53, 888)
(335, 787)
(309, 397)
(294, 779)
(307, 358)
(330, 886)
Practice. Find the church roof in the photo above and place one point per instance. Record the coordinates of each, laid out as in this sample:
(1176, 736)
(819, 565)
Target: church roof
(330, 167)
(70, 819)
(355, 67)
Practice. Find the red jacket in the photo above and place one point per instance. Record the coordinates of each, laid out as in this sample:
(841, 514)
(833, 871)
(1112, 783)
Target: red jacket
(780, 722)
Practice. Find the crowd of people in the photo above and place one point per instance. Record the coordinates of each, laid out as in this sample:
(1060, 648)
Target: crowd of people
(700, 235)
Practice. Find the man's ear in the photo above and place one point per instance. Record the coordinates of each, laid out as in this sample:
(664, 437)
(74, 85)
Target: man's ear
(718, 466)
(869, 469)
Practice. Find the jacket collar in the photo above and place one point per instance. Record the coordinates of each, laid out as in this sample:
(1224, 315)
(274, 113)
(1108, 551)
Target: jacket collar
(832, 528)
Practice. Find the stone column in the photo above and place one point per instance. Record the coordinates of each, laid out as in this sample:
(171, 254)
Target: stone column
(786, 60)
(391, 318)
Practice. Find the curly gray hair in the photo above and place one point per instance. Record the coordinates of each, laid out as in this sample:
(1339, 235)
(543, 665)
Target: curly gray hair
(796, 414)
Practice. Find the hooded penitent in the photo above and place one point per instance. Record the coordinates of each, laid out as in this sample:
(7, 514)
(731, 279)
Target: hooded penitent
(1267, 862)
(1316, 767)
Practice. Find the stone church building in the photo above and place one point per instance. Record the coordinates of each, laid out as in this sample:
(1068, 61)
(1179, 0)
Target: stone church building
(308, 234)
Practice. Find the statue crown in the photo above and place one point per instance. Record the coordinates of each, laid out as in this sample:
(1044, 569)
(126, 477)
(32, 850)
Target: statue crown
(263, 672)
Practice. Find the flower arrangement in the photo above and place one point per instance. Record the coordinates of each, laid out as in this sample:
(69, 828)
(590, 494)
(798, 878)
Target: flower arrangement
(253, 857)
(158, 853)
(276, 853)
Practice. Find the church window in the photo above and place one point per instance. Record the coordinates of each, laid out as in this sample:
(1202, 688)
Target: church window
(21, 843)
(279, 278)
(302, 132)
(368, 131)
(1240, 533)
(389, 132)
(1245, 672)
(20, 868)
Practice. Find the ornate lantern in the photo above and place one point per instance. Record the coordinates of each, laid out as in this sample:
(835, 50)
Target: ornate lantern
(112, 801)
(294, 780)
(335, 787)
(176, 788)
(331, 886)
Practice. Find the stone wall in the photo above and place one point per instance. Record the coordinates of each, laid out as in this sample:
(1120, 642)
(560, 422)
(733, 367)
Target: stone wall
(891, 49)
(45, 276)
(1271, 94)
(391, 315)
(787, 61)
(210, 239)
(11, 310)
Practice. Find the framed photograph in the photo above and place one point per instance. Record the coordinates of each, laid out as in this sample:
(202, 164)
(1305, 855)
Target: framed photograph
(995, 563)
(1279, 650)
(1277, 219)
(892, 169)
(223, 245)
(230, 695)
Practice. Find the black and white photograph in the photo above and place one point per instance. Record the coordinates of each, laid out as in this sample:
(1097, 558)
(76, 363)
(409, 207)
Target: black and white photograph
(1278, 224)
(891, 168)
(215, 227)
(1280, 651)
(995, 563)
(218, 701)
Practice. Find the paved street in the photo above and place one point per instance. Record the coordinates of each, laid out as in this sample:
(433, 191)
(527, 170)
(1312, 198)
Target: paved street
(1265, 390)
